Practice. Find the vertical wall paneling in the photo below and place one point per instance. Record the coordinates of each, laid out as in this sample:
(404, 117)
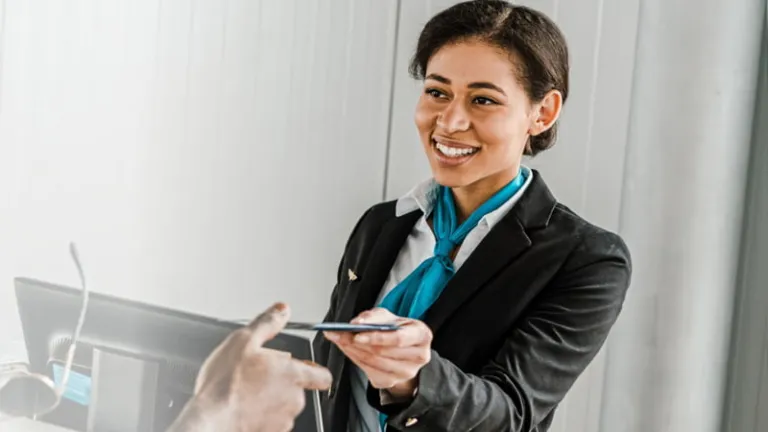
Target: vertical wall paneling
(11, 350)
(2, 48)
(393, 76)
(207, 155)
(406, 162)
(682, 213)
(746, 403)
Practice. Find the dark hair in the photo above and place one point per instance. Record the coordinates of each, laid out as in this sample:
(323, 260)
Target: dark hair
(534, 41)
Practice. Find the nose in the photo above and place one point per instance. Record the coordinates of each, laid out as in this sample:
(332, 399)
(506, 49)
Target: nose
(454, 118)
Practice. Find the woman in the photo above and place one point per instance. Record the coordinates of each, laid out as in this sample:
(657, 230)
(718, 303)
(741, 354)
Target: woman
(504, 295)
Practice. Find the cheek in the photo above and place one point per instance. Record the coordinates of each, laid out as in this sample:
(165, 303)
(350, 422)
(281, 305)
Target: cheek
(503, 133)
(425, 118)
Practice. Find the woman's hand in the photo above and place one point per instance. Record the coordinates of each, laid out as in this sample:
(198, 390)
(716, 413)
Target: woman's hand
(391, 360)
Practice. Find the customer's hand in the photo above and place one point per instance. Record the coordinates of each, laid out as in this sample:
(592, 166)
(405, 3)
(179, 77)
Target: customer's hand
(245, 387)
(391, 360)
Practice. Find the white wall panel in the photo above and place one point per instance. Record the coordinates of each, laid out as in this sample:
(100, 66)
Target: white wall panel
(681, 212)
(207, 155)
(10, 349)
(746, 408)
(407, 163)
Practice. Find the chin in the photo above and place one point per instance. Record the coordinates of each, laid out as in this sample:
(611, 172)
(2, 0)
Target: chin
(451, 179)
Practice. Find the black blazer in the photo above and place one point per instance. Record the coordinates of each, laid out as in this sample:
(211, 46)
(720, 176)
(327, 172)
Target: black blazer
(514, 328)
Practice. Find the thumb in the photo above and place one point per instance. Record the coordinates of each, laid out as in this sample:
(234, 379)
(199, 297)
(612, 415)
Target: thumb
(267, 325)
(375, 315)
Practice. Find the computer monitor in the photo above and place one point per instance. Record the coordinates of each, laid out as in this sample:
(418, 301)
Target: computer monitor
(162, 348)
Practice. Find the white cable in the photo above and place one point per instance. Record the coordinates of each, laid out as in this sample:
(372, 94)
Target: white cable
(80, 320)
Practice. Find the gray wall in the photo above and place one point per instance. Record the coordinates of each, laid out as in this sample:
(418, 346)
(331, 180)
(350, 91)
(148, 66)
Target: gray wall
(689, 134)
(747, 404)
(208, 155)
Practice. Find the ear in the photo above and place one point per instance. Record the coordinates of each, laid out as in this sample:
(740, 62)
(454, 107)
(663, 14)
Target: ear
(546, 112)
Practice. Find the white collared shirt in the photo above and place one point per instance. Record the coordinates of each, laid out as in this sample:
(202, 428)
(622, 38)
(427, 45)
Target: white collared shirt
(418, 247)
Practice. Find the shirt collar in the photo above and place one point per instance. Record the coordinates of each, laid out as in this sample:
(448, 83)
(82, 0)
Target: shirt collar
(422, 197)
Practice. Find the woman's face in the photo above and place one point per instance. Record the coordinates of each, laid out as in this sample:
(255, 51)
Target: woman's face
(474, 117)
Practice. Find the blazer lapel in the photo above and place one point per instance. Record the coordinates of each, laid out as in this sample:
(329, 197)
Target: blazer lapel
(393, 235)
(506, 242)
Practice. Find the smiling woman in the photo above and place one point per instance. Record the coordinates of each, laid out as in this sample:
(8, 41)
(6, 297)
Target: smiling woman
(504, 295)
(476, 119)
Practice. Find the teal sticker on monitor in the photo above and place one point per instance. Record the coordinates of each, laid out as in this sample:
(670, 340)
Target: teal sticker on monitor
(78, 387)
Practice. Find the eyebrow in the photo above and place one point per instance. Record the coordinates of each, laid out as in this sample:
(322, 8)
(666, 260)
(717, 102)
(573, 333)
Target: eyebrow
(474, 85)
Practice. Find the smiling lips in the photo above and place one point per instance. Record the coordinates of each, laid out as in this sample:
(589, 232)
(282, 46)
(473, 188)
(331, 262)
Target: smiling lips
(451, 152)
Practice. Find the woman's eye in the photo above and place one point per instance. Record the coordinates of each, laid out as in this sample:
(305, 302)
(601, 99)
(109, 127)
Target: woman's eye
(484, 101)
(434, 93)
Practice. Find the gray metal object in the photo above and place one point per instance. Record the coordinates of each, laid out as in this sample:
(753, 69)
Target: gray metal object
(124, 393)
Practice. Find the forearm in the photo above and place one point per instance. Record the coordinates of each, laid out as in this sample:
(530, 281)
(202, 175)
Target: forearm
(449, 399)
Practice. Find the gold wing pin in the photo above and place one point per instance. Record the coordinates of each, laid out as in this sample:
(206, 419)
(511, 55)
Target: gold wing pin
(351, 275)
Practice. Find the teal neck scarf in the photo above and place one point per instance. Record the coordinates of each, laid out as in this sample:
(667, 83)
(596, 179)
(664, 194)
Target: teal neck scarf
(420, 289)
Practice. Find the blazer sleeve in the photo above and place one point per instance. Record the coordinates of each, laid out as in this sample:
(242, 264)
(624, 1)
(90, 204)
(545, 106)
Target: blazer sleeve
(541, 358)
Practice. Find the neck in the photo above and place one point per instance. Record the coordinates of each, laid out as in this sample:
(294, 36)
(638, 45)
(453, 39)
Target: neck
(468, 198)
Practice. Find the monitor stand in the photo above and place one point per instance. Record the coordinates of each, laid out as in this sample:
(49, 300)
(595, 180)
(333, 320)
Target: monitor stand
(123, 393)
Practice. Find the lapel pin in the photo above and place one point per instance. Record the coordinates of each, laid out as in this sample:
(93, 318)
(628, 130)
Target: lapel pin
(351, 275)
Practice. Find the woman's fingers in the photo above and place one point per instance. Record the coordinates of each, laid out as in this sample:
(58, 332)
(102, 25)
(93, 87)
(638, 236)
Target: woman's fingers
(376, 316)
(411, 333)
(408, 354)
(388, 358)
(381, 371)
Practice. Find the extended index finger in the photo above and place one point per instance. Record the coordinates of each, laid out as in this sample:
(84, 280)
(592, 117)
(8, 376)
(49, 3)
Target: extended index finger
(311, 376)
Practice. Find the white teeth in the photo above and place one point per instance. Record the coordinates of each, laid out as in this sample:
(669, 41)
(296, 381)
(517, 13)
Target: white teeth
(453, 151)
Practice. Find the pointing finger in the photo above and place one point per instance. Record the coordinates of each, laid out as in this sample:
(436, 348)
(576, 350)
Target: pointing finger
(311, 376)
